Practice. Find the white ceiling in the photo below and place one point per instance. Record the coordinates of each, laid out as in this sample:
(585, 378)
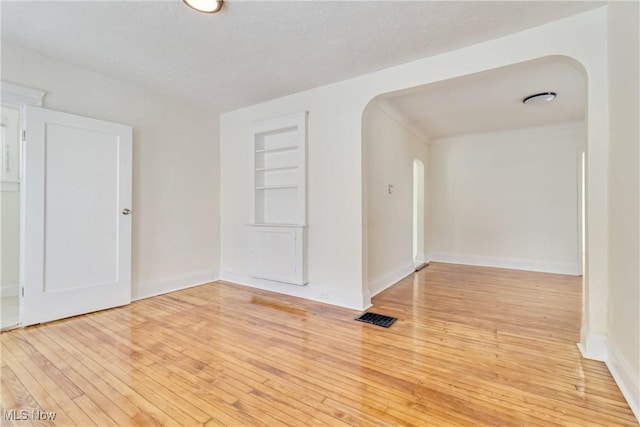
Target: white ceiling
(256, 51)
(492, 100)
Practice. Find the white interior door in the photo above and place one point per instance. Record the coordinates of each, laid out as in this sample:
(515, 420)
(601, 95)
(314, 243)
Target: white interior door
(76, 228)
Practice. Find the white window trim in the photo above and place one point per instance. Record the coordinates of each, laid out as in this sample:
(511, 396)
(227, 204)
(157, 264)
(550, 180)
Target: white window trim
(16, 96)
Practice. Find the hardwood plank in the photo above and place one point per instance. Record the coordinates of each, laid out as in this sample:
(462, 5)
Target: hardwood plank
(45, 397)
(328, 373)
(138, 409)
(472, 346)
(84, 379)
(15, 397)
(144, 391)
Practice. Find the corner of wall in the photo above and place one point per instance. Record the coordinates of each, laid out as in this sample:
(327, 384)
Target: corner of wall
(593, 346)
(624, 378)
(171, 284)
(311, 291)
(599, 347)
(390, 279)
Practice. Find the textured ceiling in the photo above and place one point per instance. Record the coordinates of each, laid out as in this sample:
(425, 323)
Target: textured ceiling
(492, 100)
(256, 51)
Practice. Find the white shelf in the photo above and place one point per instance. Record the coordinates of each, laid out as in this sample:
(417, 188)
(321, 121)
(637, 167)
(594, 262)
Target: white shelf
(279, 168)
(271, 187)
(278, 149)
(277, 229)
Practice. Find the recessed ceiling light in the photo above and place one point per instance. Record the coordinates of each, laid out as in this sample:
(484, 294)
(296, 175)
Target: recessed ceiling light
(206, 6)
(539, 98)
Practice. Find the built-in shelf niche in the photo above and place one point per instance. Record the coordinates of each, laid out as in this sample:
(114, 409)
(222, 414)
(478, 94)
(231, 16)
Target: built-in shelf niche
(278, 211)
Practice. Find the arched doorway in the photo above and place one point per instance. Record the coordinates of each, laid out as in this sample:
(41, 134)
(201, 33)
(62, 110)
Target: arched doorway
(418, 211)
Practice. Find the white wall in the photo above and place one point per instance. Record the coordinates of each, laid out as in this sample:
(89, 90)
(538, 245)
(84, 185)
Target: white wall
(389, 149)
(623, 332)
(175, 166)
(337, 200)
(333, 198)
(507, 199)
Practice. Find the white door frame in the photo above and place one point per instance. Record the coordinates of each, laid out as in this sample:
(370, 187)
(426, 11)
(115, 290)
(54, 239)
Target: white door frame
(17, 96)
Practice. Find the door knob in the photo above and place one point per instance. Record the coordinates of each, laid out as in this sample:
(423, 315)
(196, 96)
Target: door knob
(126, 212)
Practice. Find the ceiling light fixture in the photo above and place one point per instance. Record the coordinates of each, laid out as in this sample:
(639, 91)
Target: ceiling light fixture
(205, 6)
(539, 98)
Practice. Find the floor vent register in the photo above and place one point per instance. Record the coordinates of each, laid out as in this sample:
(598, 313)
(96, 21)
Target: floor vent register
(377, 319)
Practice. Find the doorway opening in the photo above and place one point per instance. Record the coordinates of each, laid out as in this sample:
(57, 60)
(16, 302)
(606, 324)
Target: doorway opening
(418, 212)
(504, 186)
(10, 224)
(582, 250)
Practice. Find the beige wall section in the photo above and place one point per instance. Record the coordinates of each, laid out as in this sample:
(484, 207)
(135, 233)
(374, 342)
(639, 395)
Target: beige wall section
(175, 166)
(389, 149)
(623, 331)
(10, 245)
(507, 199)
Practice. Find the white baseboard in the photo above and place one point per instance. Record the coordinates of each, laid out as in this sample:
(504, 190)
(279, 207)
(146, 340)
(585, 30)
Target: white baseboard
(352, 300)
(626, 380)
(10, 290)
(597, 347)
(510, 263)
(593, 346)
(378, 285)
(171, 284)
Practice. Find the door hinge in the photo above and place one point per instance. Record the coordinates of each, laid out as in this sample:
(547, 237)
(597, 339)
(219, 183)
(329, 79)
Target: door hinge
(23, 291)
(24, 135)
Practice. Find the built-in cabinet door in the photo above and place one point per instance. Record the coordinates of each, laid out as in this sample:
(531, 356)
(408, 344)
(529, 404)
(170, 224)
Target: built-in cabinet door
(76, 205)
(277, 253)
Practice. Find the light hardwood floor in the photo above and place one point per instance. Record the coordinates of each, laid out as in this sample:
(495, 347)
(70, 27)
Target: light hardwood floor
(472, 346)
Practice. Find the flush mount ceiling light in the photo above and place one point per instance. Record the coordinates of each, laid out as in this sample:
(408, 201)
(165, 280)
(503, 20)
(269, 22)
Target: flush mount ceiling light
(205, 6)
(539, 98)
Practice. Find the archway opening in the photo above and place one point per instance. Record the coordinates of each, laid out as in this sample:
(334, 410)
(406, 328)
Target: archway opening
(418, 211)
